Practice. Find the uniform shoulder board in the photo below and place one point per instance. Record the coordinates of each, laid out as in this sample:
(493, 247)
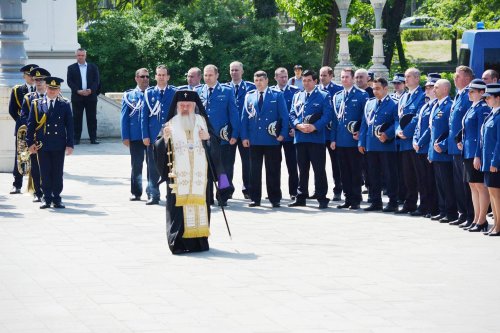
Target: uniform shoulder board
(251, 91)
(62, 99)
(484, 104)
(293, 87)
(198, 86)
(182, 87)
(274, 88)
(338, 92)
(226, 84)
(358, 88)
(128, 91)
(17, 86)
(370, 99)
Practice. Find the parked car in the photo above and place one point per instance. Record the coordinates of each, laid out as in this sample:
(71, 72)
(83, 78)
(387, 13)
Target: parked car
(480, 49)
(420, 22)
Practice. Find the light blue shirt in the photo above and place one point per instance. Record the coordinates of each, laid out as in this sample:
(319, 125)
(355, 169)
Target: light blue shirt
(83, 73)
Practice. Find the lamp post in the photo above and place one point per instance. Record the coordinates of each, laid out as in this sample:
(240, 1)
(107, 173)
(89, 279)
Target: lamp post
(344, 31)
(12, 58)
(378, 57)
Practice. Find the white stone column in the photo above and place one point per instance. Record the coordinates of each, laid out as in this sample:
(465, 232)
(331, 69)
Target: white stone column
(344, 55)
(12, 58)
(378, 57)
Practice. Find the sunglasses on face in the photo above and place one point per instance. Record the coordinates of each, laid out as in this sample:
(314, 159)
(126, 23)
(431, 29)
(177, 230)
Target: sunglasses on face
(144, 76)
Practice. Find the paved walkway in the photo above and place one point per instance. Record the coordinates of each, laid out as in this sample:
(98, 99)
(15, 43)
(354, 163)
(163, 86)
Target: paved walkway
(103, 265)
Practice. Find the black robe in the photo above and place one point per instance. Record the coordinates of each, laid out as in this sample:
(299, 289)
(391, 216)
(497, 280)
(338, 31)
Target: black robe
(175, 215)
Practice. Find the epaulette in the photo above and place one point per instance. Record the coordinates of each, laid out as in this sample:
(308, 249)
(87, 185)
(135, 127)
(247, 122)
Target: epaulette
(251, 91)
(358, 88)
(275, 88)
(484, 104)
(63, 99)
(198, 86)
(371, 98)
(294, 87)
(338, 92)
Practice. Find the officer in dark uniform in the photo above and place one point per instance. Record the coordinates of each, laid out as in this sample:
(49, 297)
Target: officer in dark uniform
(153, 115)
(131, 133)
(281, 77)
(437, 138)
(428, 206)
(461, 103)
(263, 110)
(220, 105)
(15, 105)
(376, 140)
(50, 123)
(38, 74)
(349, 105)
(241, 88)
(410, 104)
(327, 84)
(311, 112)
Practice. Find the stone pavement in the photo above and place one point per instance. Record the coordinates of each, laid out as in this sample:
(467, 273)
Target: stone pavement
(103, 265)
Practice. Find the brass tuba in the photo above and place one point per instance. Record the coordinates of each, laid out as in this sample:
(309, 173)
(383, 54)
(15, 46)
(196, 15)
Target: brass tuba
(23, 154)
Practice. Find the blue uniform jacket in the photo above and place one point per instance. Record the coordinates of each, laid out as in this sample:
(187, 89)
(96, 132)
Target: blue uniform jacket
(439, 125)
(347, 110)
(491, 141)
(471, 137)
(410, 104)
(53, 129)
(422, 137)
(244, 88)
(318, 102)
(288, 93)
(16, 103)
(155, 111)
(332, 88)
(459, 107)
(254, 121)
(26, 108)
(387, 112)
(130, 118)
(221, 109)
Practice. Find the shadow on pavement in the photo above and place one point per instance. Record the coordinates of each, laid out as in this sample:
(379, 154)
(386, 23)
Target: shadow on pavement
(9, 214)
(99, 181)
(215, 253)
(75, 211)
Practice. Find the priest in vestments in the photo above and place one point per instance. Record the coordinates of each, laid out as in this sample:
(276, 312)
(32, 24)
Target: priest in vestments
(187, 155)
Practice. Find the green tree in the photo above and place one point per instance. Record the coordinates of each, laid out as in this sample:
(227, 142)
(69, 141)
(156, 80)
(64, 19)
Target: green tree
(265, 8)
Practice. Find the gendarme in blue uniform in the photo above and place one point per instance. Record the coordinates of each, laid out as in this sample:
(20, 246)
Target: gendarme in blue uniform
(155, 110)
(460, 105)
(411, 102)
(130, 119)
(421, 137)
(332, 88)
(348, 106)
(374, 115)
(439, 124)
(288, 93)
(491, 141)
(472, 123)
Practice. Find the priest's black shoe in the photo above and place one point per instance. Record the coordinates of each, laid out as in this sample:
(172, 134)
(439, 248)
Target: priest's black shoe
(344, 205)
(254, 204)
(276, 204)
(417, 213)
(337, 197)
(314, 196)
(15, 190)
(373, 207)
(94, 142)
(465, 224)
(354, 206)
(438, 217)
(446, 219)
(153, 202)
(135, 198)
(479, 227)
(297, 203)
(222, 203)
(390, 208)
(59, 205)
(44, 205)
(37, 198)
(323, 204)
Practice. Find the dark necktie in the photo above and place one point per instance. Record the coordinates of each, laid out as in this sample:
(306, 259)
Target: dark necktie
(379, 102)
(346, 94)
(236, 88)
(32, 89)
(307, 96)
(210, 90)
(41, 95)
(161, 93)
(261, 100)
(51, 107)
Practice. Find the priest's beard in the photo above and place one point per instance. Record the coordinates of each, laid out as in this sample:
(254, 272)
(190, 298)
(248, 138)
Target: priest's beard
(187, 122)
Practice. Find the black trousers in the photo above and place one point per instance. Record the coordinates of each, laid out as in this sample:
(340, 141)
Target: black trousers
(382, 162)
(51, 170)
(443, 173)
(153, 189)
(228, 156)
(350, 160)
(137, 156)
(90, 107)
(272, 157)
(409, 162)
(18, 178)
(245, 165)
(462, 189)
(426, 186)
(401, 181)
(291, 165)
(35, 175)
(337, 180)
(311, 154)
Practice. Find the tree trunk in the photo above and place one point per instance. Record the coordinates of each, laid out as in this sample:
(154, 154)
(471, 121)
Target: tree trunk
(391, 17)
(330, 44)
(454, 57)
(401, 53)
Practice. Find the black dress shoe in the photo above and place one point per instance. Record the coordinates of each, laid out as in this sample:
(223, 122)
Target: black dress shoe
(15, 190)
(390, 208)
(479, 227)
(446, 219)
(417, 213)
(428, 216)
(293, 197)
(465, 224)
(337, 197)
(297, 203)
(456, 222)
(494, 234)
(246, 195)
(153, 202)
(135, 198)
(94, 142)
(373, 207)
(344, 205)
(276, 205)
(58, 205)
(323, 204)
(370, 200)
(44, 205)
(404, 210)
(254, 204)
(314, 196)
(354, 207)
(37, 198)
(438, 217)
(470, 227)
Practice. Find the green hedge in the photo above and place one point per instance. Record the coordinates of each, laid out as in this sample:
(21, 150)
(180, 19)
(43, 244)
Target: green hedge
(410, 35)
